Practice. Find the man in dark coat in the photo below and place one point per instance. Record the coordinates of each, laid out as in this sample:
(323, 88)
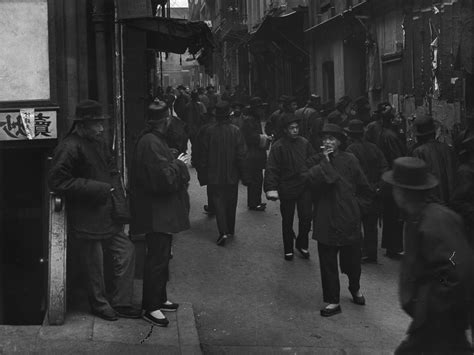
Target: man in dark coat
(373, 164)
(195, 117)
(236, 116)
(343, 195)
(437, 270)
(257, 145)
(160, 208)
(309, 115)
(286, 180)
(181, 101)
(380, 133)
(222, 160)
(438, 156)
(83, 171)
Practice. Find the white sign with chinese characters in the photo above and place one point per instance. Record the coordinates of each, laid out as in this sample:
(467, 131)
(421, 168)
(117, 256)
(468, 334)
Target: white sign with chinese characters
(12, 126)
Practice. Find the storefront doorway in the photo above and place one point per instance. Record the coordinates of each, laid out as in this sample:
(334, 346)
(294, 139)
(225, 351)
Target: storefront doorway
(23, 236)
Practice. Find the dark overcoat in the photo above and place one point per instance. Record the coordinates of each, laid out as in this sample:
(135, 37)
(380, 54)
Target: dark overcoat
(286, 167)
(437, 270)
(342, 194)
(83, 171)
(256, 154)
(158, 188)
(442, 163)
(223, 155)
(462, 200)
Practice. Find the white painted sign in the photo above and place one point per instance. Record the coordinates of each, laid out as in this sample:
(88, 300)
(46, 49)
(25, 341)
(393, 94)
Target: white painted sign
(12, 127)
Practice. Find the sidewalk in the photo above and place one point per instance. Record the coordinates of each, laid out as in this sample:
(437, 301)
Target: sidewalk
(84, 333)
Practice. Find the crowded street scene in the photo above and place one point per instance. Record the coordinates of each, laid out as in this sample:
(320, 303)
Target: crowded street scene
(237, 177)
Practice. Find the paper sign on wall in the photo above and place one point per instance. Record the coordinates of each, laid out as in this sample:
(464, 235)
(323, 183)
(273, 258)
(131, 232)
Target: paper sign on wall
(28, 124)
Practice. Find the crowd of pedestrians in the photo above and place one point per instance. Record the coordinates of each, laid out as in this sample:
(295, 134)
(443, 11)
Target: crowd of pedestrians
(346, 170)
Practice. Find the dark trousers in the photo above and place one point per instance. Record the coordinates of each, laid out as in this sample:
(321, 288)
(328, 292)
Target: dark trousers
(349, 261)
(224, 199)
(369, 221)
(392, 232)
(304, 206)
(122, 255)
(210, 203)
(156, 270)
(254, 188)
(435, 341)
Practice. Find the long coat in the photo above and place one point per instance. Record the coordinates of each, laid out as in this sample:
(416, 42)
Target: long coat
(462, 200)
(343, 193)
(441, 162)
(286, 167)
(437, 270)
(83, 171)
(252, 132)
(223, 154)
(158, 188)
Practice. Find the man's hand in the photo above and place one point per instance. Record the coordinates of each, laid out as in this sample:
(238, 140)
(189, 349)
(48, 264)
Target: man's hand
(326, 152)
(272, 195)
(185, 158)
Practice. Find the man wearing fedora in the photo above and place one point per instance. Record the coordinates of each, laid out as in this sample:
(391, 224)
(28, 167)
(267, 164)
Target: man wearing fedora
(438, 267)
(222, 160)
(257, 145)
(439, 157)
(343, 195)
(373, 164)
(160, 208)
(286, 180)
(83, 171)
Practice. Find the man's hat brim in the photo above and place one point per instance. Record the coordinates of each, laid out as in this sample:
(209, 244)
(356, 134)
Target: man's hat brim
(421, 134)
(91, 118)
(348, 130)
(430, 182)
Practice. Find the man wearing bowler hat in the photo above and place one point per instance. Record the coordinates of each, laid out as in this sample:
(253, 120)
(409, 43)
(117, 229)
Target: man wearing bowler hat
(257, 145)
(83, 171)
(160, 208)
(222, 159)
(437, 270)
(439, 157)
(373, 164)
(343, 195)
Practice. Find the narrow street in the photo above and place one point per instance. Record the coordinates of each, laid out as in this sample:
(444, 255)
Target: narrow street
(248, 299)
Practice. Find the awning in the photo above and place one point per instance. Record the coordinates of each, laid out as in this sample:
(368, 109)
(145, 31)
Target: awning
(287, 28)
(354, 11)
(174, 35)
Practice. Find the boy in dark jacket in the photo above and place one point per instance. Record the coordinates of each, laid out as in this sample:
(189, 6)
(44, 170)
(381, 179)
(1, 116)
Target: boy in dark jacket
(285, 180)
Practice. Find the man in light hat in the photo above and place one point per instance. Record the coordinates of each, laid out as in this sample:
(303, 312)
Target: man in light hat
(286, 180)
(439, 157)
(160, 208)
(257, 145)
(84, 172)
(373, 164)
(222, 165)
(343, 195)
(437, 270)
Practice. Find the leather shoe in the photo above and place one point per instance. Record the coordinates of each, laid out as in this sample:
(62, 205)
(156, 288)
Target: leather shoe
(304, 253)
(328, 312)
(163, 322)
(172, 307)
(128, 312)
(108, 314)
(221, 240)
(208, 210)
(261, 207)
(368, 260)
(360, 300)
(289, 256)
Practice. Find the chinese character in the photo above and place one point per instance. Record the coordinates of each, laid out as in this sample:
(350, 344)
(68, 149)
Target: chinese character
(42, 125)
(10, 125)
